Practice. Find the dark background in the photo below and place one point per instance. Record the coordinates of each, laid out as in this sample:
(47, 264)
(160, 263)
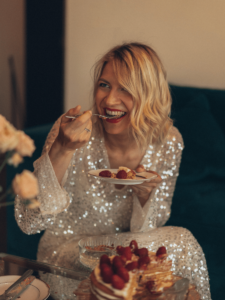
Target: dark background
(44, 61)
(44, 74)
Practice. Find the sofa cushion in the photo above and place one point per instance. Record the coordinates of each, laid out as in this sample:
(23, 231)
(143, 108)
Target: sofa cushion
(204, 152)
(199, 198)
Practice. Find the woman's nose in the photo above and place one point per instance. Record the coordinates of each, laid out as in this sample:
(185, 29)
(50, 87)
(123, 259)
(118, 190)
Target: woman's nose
(112, 98)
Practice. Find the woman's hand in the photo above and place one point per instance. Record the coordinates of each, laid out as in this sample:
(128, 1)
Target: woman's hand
(144, 189)
(73, 134)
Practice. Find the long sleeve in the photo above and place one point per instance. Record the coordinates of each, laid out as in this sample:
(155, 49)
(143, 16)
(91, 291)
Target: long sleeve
(52, 196)
(165, 161)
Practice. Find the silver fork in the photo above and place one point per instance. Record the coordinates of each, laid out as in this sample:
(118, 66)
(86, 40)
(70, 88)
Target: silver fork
(100, 116)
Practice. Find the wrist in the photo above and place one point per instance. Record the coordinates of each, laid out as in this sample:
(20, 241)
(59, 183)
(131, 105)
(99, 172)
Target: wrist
(57, 151)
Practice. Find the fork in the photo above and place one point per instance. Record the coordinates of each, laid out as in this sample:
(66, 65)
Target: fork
(100, 116)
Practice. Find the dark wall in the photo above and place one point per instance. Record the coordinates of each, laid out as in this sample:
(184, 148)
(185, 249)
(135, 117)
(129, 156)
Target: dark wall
(44, 61)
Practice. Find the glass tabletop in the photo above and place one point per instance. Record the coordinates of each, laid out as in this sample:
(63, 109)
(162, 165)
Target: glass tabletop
(62, 281)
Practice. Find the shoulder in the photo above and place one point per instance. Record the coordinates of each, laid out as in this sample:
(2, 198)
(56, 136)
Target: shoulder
(174, 136)
(173, 141)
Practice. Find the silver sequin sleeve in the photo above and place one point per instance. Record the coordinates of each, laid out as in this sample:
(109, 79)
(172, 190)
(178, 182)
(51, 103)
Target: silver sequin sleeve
(53, 200)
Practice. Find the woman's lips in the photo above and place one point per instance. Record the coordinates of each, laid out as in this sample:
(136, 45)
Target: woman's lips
(113, 120)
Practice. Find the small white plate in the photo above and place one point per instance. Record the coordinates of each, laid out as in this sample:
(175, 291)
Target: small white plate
(38, 290)
(137, 180)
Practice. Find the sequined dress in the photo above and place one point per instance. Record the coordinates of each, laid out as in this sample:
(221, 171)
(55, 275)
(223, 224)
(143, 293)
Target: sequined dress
(83, 206)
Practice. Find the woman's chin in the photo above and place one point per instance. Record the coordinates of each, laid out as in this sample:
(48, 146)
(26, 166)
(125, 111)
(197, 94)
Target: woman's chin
(116, 131)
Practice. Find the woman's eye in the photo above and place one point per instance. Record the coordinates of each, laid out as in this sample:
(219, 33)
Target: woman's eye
(102, 84)
(123, 89)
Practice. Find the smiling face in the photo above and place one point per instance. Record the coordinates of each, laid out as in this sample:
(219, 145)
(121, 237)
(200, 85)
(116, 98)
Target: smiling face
(112, 99)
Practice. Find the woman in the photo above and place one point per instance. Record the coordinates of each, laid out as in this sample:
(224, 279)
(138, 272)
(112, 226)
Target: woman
(130, 82)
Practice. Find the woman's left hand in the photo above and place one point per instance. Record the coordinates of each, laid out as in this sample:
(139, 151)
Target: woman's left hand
(144, 189)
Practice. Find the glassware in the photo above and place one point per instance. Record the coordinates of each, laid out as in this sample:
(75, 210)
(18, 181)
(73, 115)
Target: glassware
(90, 252)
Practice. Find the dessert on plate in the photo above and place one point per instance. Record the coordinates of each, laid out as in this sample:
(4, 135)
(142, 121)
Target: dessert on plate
(122, 173)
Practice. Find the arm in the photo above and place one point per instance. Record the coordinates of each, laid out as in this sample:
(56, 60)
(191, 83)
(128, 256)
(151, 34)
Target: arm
(52, 175)
(156, 210)
(32, 221)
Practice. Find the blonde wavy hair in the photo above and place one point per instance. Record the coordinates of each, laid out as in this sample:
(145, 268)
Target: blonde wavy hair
(139, 70)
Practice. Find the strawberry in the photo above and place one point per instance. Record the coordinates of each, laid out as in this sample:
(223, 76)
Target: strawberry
(161, 251)
(121, 174)
(127, 253)
(124, 259)
(143, 261)
(117, 263)
(117, 282)
(117, 258)
(133, 245)
(136, 252)
(142, 252)
(105, 173)
(119, 250)
(106, 273)
(105, 260)
(123, 273)
(131, 266)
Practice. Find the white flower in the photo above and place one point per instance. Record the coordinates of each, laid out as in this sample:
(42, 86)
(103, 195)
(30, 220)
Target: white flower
(25, 146)
(15, 159)
(8, 136)
(25, 185)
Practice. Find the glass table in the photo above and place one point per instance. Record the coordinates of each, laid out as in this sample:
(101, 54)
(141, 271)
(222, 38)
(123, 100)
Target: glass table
(62, 281)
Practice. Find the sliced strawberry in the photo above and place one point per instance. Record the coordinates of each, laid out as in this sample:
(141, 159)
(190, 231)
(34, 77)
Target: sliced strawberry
(132, 266)
(133, 245)
(161, 250)
(123, 273)
(117, 282)
(105, 260)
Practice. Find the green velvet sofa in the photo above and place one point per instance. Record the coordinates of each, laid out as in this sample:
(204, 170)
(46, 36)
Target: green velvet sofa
(199, 199)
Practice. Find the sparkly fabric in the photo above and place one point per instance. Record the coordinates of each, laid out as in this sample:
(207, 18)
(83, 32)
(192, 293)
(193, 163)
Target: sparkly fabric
(83, 205)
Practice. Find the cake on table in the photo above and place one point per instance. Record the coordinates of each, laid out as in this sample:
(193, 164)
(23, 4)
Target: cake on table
(135, 273)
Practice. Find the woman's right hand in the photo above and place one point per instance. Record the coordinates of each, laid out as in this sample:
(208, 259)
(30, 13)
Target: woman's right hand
(72, 133)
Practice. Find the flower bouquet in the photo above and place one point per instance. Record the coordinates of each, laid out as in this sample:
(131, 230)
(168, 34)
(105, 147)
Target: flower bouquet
(15, 145)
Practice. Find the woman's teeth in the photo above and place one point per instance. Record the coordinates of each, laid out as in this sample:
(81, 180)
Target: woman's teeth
(115, 113)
